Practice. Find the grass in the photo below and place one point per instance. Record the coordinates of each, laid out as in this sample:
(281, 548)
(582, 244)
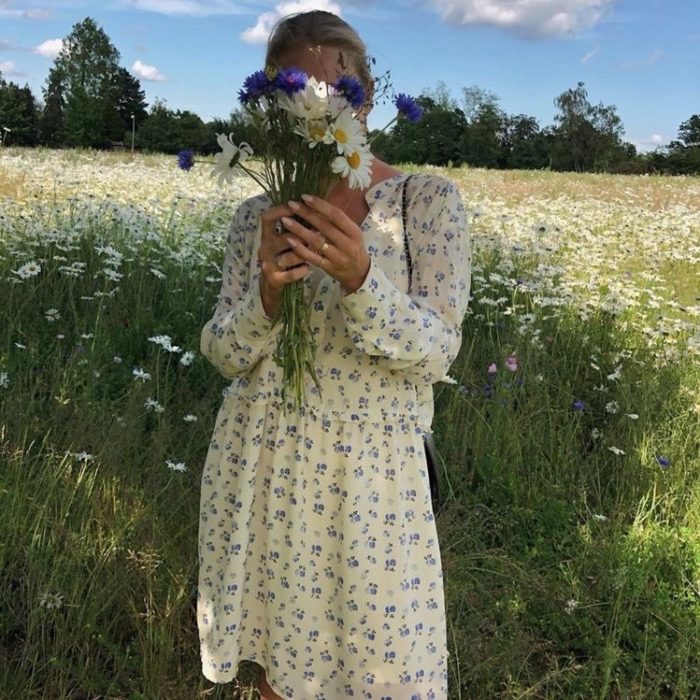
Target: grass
(570, 530)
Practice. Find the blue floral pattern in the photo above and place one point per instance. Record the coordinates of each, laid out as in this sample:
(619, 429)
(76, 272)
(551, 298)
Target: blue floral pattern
(318, 551)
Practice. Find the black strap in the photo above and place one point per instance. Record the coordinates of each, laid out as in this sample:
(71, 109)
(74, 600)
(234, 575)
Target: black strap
(406, 248)
(430, 452)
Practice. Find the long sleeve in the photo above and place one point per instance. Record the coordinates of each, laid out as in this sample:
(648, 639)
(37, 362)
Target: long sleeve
(419, 334)
(240, 333)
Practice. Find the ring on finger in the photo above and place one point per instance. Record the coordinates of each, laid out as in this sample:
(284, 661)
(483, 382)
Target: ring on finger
(278, 227)
(323, 248)
(276, 260)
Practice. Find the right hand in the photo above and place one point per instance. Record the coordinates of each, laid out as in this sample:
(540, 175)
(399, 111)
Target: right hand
(279, 264)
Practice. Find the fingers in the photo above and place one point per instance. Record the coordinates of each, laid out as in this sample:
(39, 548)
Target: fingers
(314, 241)
(276, 277)
(318, 211)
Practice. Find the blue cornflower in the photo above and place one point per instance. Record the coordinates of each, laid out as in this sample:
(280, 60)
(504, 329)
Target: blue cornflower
(578, 405)
(185, 159)
(351, 89)
(254, 85)
(408, 107)
(291, 80)
(664, 462)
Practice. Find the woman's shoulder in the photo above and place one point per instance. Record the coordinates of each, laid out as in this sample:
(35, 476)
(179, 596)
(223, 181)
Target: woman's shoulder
(253, 205)
(425, 182)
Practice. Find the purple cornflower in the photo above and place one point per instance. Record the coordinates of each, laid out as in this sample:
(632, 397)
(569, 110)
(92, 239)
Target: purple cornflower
(351, 89)
(254, 85)
(408, 107)
(578, 405)
(291, 80)
(185, 159)
(664, 462)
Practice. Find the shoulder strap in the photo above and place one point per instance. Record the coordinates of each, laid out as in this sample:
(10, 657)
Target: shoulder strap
(404, 213)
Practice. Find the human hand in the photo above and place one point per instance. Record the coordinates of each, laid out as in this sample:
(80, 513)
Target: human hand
(279, 263)
(331, 241)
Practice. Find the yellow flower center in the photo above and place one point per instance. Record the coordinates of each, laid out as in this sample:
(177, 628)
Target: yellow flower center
(354, 160)
(340, 136)
(316, 133)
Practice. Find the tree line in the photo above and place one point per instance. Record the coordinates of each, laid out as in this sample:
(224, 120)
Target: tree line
(89, 100)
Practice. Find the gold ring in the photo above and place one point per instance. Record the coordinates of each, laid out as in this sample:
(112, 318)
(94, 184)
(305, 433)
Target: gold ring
(276, 260)
(323, 248)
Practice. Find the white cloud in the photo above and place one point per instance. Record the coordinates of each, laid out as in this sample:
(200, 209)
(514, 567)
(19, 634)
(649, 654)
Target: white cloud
(7, 67)
(653, 141)
(261, 31)
(650, 60)
(195, 8)
(589, 55)
(7, 11)
(50, 48)
(6, 45)
(38, 14)
(529, 18)
(146, 72)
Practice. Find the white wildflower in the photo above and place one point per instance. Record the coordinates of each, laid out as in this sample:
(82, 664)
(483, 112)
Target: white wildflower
(51, 601)
(30, 269)
(140, 374)
(189, 418)
(150, 403)
(571, 605)
(165, 342)
(187, 358)
(176, 466)
(52, 315)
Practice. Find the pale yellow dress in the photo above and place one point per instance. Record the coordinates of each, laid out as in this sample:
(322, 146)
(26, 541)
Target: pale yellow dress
(318, 551)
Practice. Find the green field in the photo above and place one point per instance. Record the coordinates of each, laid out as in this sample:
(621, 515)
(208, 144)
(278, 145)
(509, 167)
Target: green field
(570, 531)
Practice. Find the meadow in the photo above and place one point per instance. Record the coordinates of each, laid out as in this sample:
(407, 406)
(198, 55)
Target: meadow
(569, 436)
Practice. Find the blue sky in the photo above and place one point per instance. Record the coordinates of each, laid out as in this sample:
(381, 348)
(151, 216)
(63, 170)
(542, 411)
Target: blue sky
(643, 56)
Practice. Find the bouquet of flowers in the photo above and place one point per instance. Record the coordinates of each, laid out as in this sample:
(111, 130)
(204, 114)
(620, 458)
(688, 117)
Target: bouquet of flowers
(311, 136)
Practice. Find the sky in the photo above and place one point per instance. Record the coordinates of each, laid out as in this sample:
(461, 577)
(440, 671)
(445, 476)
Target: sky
(642, 56)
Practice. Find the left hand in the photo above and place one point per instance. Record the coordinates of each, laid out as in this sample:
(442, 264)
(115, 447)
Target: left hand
(332, 241)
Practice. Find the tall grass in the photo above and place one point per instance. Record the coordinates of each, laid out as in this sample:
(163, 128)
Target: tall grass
(570, 440)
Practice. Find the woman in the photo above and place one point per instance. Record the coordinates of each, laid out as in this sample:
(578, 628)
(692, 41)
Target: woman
(319, 556)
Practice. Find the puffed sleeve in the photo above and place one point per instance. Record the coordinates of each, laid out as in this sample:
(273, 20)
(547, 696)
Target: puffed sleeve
(419, 334)
(240, 333)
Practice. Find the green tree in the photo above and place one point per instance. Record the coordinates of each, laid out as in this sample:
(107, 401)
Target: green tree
(128, 99)
(586, 136)
(51, 122)
(84, 73)
(18, 112)
(482, 140)
(169, 131)
(525, 146)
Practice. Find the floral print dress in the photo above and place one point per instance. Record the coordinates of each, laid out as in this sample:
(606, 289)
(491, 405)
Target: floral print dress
(318, 552)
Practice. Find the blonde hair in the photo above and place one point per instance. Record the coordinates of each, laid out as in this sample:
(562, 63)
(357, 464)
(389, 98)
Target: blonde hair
(319, 28)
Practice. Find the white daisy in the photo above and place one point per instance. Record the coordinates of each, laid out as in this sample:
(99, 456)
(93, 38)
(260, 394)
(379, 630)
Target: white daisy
(4, 380)
(314, 132)
(176, 466)
(227, 163)
(30, 269)
(347, 133)
(310, 103)
(140, 374)
(355, 166)
(152, 403)
(187, 358)
(52, 315)
(189, 418)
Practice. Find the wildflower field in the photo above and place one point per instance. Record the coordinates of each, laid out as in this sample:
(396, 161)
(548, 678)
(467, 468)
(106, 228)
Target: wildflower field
(569, 440)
